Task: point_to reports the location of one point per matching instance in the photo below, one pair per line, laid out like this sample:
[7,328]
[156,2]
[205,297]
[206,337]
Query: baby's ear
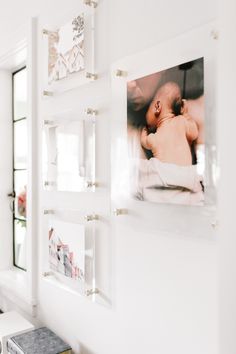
[158,107]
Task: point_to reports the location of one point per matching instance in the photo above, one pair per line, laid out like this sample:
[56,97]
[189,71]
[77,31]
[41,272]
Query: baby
[175,130]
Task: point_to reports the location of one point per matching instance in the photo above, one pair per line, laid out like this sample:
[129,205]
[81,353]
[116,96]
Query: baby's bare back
[170,144]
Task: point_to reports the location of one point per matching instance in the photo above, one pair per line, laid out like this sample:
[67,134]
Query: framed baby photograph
[68,52]
[164,136]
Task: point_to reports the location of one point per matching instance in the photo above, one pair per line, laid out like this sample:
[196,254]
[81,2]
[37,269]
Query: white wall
[167,302]
[227,123]
[170,304]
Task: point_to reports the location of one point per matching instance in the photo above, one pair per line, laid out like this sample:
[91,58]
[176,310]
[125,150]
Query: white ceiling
[15,13]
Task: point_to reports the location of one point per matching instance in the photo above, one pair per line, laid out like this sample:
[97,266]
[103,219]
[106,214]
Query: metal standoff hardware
[91,3]
[91,217]
[47,93]
[47,32]
[48,122]
[48,183]
[91,76]
[47,274]
[48,212]
[120,73]
[215,34]
[118,212]
[91,111]
[92,292]
[214,224]
[90,184]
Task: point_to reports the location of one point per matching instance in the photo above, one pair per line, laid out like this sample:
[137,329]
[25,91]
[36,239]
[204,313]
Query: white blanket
[168,183]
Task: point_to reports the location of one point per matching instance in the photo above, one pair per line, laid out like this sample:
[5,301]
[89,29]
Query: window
[20,148]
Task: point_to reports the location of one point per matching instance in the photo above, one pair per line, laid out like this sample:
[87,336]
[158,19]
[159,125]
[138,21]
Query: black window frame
[14,121]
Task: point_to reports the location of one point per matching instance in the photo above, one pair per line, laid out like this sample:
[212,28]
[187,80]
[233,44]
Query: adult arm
[191,129]
[146,140]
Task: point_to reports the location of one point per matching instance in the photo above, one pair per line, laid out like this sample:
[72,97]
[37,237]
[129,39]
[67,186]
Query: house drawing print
[66,50]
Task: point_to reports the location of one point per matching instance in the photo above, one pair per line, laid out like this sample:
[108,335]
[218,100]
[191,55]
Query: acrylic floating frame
[68,52]
[140,182]
[70,251]
[69,151]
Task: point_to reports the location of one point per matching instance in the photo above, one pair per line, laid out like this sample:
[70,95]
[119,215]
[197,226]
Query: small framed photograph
[69,152]
[66,242]
[69,250]
[164,136]
[66,50]
[69,52]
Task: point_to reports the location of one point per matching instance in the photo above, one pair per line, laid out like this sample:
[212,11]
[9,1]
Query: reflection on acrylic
[67,249]
[66,50]
[166,140]
[68,154]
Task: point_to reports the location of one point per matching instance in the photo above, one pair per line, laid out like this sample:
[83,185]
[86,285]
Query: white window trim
[18,286]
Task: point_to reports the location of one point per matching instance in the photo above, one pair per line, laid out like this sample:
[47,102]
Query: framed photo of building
[69,250]
[66,242]
[164,135]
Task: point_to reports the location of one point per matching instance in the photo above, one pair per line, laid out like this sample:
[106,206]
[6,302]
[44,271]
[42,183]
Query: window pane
[20,144]
[20,149]
[20,94]
[20,180]
[20,243]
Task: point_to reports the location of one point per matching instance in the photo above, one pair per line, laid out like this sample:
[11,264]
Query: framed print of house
[68,52]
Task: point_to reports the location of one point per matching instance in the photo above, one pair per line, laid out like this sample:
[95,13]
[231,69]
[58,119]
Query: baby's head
[167,100]
[140,91]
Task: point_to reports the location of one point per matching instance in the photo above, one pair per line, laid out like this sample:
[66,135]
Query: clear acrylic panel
[20,180]
[134,69]
[69,154]
[20,244]
[69,51]
[67,249]
[66,49]
[70,249]
[20,144]
[20,94]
